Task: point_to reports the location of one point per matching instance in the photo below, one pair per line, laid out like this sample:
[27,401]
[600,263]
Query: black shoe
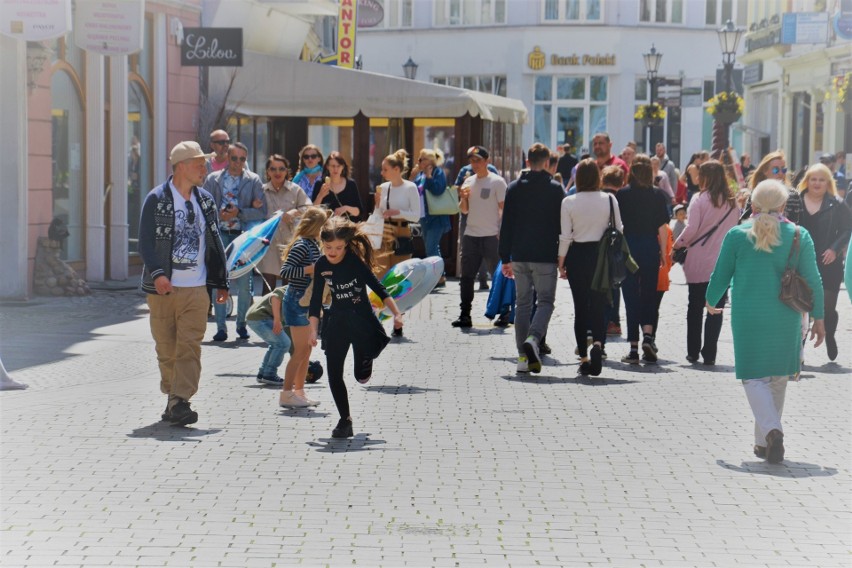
[181,414]
[364,371]
[396,332]
[502,321]
[315,371]
[242,332]
[831,347]
[463,322]
[649,350]
[483,285]
[221,335]
[343,429]
[585,368]
[692,358]
[544,348]
[595,361]
[775,446]
[709,362]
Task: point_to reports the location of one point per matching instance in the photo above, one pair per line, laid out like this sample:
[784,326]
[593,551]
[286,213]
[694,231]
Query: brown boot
[775,446]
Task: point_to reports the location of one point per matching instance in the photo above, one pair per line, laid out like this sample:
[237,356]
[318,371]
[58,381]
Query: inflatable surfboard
[246,250]
[408,283]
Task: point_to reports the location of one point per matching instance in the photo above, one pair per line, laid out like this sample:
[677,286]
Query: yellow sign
[537,59]
[346,34]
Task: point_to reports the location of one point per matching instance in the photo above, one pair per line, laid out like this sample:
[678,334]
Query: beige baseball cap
[187,150]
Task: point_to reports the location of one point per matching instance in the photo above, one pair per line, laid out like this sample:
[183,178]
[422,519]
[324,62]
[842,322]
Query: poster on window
[35,20]
[109,28]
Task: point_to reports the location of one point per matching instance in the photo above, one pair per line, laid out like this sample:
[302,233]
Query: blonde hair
[819,169]
[436,156]
[770,196]
[398,159]
[760,173]
[309,227]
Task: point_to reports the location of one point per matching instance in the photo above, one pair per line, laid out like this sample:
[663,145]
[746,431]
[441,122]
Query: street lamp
[410,69]
[729,39]
[652,66]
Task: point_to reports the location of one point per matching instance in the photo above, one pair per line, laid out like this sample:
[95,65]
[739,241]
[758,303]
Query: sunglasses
[310,156]
[190,213]
[776,170]
[276,169]
[238,158]
[220,141]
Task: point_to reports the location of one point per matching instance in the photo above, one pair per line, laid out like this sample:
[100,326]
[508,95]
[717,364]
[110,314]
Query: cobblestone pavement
[456,461]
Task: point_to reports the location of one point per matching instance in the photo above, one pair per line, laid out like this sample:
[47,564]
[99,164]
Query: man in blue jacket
[183,255]
[239,197]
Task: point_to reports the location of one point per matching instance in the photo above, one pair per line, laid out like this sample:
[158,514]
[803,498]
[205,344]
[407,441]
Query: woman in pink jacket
[710,215]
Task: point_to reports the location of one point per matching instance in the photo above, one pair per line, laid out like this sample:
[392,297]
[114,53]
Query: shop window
[437,133]
[396,14]
[68,147]
[469,12]
[661,11]
[494,84]
[571,10]
[571,88]
[717,12]
[332,134]
[578,110]
[139,153]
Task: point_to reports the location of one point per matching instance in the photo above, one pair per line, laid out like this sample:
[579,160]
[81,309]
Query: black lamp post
[729,39]
[652,66]
[410,69]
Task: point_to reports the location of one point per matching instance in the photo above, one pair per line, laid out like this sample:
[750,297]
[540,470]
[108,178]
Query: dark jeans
[660,294]
[640,288]
[588,305]
[474,251]
[612,311]
[712,324]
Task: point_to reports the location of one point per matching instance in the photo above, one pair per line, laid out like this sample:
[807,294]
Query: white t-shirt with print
[483,218]
[189,244]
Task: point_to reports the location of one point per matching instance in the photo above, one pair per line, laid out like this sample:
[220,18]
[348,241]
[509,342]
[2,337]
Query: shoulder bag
[679,254]
[616,260]
[445,204]
[795,291]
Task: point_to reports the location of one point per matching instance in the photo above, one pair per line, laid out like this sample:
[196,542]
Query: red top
[616,161]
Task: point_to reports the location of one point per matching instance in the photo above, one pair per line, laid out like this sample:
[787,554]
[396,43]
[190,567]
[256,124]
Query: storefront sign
[537,59]
[692,93]
[804,27]
[109,28]
[843,25]
[35,20]
[763,38]
[753,73]
[370,13]
[346,33]
[212,47]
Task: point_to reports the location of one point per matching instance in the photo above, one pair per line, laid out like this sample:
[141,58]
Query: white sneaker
[289,399]
[301,394]
[523,367]
[530,347]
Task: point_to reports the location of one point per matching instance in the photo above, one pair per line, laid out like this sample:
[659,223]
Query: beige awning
[273,86]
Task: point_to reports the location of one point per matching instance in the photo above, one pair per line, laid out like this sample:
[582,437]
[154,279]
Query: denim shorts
[294,314]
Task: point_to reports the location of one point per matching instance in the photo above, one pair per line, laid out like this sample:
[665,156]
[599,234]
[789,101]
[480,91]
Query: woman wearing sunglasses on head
[336,191]
[310,169]
[281,195]
[774,166]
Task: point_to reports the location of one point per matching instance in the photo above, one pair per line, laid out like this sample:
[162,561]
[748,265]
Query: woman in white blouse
[399,202]
[585,217]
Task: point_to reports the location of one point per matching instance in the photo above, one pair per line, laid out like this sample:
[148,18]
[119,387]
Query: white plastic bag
[374,228]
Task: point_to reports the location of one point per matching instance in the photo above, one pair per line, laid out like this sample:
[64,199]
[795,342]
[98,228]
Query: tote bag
[445,204]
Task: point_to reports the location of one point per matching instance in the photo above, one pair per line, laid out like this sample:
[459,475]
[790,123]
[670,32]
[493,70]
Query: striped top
[305,252]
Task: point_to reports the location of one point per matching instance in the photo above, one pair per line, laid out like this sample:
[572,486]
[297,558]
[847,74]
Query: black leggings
[336,341]
[589,306]
[695,317]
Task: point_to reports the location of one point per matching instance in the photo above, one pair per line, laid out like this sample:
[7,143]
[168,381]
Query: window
[570,109]
[661,11]
[395,14]
[494,84]
[571,10]
[68,147]
[717,12]
[470,12]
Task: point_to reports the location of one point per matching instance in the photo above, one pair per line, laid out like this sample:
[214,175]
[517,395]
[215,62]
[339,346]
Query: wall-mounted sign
[346,21]
[804,27]
[109,28]
[536,60]
[370,13]
[35,21]
[212,47]
[843,25]
[762,38]
[753,73]
[692,93]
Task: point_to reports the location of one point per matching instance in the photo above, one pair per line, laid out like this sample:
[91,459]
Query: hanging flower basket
[840,92]
[726,107]
[650,115]
[727,117]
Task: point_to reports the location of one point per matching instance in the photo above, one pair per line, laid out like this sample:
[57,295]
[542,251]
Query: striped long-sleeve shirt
[305,252]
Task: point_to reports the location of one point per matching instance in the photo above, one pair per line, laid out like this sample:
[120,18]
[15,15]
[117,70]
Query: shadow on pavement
[790,469]
[600,381]
[829,369]
[168,433]
[399,389]
[539,379]
[360,443]
[659,368]
[302,412]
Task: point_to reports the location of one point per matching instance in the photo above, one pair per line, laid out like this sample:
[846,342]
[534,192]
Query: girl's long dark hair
[341,228]
[712,175]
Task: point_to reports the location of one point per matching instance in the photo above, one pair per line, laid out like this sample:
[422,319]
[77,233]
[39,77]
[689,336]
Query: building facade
[576,64]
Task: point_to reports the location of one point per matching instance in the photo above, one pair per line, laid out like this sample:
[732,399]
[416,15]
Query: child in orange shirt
[663,279]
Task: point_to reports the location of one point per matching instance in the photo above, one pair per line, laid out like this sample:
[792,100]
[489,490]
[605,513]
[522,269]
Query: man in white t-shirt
[481,199]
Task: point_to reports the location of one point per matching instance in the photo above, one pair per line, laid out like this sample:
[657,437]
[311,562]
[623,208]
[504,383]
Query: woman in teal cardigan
[767,333]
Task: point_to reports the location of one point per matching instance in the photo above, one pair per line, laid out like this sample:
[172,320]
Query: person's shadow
[789,469]
[359,443]
[165,432]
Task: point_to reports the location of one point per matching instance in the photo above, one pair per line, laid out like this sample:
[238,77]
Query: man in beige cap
[183,254]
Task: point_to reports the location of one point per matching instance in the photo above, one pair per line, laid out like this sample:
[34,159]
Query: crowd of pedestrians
[611,225]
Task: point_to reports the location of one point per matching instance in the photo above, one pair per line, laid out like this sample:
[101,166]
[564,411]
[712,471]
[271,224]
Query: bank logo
[536,59]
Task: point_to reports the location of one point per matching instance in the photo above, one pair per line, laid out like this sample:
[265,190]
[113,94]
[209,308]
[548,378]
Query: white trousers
[766,398]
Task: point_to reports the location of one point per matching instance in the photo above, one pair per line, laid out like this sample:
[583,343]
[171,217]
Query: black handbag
[616,262]
[679,254]
[795,291]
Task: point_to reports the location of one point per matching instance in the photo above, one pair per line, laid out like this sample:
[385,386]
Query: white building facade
[576,64]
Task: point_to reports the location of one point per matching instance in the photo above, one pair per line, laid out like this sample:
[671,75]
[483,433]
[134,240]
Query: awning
[273,86]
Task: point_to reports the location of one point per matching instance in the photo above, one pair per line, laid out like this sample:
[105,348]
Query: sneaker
[273,380]
[775,446]
[364,371]
[259,376]
[343,429]
[603,353]
[632,358]
[595,361]
[396,332]
[221,335]
[613,328]
[483,285]
[301,394]
[523,367]
[649,350]
[544,348]
[289,399]
[180,414]
[442,282]
[463,322]
[530,347]
[585,368]
[502,321]
[243,332]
